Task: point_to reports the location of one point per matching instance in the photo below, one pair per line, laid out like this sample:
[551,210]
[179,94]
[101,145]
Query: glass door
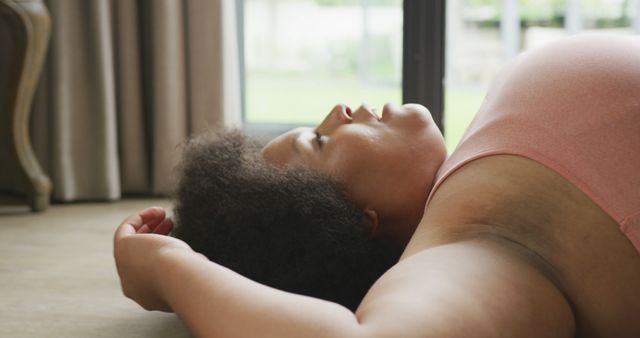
[482,35]
[303,56]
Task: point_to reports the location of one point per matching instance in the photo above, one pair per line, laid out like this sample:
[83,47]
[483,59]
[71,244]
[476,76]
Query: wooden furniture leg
[24,36]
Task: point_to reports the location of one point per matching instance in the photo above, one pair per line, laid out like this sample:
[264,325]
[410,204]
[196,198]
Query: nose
[339,115]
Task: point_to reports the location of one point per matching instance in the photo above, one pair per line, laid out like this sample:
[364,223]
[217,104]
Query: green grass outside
[460,106]
[293,99]
[297,100]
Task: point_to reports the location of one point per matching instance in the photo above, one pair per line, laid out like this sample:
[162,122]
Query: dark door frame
[423,55]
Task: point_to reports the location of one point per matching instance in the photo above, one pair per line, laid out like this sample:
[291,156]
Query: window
[483,34]
[303,56]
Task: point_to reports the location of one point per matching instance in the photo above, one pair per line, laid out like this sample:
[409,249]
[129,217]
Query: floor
[58,279]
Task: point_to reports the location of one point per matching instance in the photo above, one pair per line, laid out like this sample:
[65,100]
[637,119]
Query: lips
[374,111]
[386,112]
[371,111]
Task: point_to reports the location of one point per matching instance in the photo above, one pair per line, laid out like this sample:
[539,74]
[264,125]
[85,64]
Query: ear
[371,218]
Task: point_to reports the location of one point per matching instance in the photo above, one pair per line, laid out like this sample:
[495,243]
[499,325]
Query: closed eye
[318,139]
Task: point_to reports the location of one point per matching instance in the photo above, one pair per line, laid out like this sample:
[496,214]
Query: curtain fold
[164,50]
[216,57]
[125,83]
[133,141]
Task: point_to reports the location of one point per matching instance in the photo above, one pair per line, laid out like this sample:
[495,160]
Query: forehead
[282,150]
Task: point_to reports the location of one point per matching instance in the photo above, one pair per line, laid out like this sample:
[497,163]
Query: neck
[399,232]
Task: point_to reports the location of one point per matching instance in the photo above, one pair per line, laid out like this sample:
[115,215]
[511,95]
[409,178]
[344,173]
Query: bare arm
[473,288]
[216,302]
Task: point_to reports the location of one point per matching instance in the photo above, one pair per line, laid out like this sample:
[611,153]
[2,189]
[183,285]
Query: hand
[139,243]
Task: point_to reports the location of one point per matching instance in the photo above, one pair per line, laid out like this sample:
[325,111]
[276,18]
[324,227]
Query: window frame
[423,55]
[423,51]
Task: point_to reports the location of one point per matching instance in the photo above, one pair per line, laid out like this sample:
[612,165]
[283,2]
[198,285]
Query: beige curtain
[126,81]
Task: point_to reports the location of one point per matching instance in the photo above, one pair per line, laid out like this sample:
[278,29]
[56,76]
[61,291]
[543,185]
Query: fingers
[144,221]
[151,217]
[124,230]
[150,220]
[165,227]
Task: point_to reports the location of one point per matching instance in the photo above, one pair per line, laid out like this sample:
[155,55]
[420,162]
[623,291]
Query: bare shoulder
[474,288]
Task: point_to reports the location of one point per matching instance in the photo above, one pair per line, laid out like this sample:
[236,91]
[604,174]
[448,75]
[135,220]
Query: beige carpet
[58,279]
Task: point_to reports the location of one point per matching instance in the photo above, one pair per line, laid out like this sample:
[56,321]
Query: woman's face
[387,163]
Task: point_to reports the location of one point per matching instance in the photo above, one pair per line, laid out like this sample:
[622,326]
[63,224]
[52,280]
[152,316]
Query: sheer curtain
[126,81]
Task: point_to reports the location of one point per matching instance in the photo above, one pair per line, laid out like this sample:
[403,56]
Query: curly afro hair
[294,229]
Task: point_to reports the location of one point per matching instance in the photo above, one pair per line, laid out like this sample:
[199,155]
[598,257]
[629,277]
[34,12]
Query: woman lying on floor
[532,228]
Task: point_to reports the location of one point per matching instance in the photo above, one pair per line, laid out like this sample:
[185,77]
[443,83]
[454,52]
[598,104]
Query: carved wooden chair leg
[25,40]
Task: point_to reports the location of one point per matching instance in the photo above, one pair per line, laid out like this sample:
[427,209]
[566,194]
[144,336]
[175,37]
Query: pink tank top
[573,106]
